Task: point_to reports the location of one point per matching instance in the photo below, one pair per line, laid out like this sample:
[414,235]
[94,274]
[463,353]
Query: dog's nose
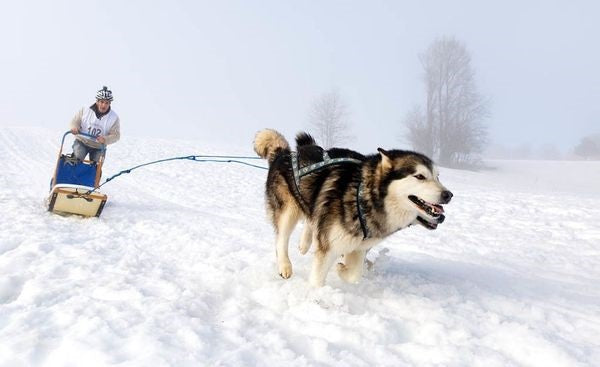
[446,196]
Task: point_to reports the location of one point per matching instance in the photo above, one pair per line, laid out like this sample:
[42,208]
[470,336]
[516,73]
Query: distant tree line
[449,125]
[546,151]
[589,147]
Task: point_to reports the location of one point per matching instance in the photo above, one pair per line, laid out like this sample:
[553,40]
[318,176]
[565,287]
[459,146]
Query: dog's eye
[420,177]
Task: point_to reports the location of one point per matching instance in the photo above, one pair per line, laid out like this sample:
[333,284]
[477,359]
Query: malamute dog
[350,202]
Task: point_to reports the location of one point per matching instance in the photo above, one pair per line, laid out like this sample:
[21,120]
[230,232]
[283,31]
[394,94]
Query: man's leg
[96,154]
[80,150]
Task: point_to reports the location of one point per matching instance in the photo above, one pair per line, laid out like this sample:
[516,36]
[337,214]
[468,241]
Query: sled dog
[349,201]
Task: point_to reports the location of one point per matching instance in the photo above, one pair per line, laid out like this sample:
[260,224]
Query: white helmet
[104,94]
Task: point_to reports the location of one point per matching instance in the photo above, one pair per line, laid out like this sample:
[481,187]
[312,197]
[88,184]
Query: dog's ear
[386,162]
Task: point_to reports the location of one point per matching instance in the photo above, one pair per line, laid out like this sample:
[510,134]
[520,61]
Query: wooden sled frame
[76,199]
[69,198]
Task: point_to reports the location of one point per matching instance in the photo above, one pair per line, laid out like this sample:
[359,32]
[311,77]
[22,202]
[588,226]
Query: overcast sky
[224,69]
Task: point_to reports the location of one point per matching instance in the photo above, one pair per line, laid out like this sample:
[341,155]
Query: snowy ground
[179,271]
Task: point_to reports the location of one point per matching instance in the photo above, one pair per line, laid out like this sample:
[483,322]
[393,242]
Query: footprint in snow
[10,288]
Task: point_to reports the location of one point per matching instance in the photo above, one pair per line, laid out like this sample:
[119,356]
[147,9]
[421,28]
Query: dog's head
[410,184]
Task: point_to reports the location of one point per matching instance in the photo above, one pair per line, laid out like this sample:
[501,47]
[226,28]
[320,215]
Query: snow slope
[180,271]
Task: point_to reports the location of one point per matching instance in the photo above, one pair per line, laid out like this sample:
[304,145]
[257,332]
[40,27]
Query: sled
[73,186]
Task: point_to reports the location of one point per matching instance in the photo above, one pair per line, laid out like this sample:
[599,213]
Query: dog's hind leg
[322,262]
[352,268]
[306,238]
[325,257]
[285,224]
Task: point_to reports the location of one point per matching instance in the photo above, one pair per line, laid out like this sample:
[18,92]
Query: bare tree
[329,119]
[419,131]
[450,129]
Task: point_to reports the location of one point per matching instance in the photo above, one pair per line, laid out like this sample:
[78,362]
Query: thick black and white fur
[399,188]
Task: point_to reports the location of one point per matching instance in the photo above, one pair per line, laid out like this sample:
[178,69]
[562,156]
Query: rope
[195,158]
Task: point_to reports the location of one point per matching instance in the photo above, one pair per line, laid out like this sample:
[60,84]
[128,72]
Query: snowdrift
[180,271]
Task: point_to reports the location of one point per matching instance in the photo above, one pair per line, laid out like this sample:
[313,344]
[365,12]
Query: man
[99,121]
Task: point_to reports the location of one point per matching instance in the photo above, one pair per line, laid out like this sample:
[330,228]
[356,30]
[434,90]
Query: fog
[223,70]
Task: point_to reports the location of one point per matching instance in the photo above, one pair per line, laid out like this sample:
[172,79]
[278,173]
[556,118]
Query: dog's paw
[285,270]
[346,274]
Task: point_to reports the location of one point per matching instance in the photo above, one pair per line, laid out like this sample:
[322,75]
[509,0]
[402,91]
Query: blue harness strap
[361,212]
[294,157]
[328,161]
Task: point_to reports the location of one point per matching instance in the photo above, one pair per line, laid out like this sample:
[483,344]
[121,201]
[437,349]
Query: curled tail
[304,138]
[268,142]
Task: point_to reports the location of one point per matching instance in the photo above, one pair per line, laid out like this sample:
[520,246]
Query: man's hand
[74,131]
[101,140]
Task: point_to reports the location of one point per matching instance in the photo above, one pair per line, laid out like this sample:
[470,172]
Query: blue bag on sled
[73,186]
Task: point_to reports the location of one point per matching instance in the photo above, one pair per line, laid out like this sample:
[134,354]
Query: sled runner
[72,189]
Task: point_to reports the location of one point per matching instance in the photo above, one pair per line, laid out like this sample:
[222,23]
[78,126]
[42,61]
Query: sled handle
[102,146]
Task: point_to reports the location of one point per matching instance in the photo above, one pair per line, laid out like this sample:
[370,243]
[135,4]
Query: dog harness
[328,161]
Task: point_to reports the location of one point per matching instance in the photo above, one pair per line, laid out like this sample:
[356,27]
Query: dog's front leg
[352,269]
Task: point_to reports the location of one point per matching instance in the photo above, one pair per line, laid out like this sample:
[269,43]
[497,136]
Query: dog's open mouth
[431,225]
[432,210]
[431,214]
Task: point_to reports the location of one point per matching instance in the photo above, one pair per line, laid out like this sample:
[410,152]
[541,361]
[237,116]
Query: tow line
[195,158]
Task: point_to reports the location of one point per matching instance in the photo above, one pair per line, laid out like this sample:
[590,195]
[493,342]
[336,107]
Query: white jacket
[107,126]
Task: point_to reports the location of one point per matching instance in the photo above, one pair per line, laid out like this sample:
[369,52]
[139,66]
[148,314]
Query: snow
[180,270]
